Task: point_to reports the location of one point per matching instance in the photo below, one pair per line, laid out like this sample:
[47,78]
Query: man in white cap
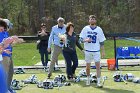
[60,28]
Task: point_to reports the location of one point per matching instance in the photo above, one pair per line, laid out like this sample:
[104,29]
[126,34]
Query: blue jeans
[69,58]
[44,55]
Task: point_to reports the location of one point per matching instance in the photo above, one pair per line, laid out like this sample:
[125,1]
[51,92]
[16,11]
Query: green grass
[109,87]
[26,54]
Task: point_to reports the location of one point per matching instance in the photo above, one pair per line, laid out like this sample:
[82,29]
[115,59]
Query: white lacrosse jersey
[96,35]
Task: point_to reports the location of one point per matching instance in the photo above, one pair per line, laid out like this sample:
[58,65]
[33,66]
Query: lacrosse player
[93,38]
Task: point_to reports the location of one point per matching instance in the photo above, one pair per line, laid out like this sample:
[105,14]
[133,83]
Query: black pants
[71,62]
[44,55]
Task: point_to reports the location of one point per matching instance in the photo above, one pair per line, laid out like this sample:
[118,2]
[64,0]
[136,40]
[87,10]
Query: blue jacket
[3,35]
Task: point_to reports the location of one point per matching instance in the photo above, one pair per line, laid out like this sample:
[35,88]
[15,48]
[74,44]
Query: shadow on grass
[39,71]
[109,90]
[129,68]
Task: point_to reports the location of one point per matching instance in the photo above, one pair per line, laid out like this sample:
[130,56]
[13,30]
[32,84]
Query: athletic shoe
[70,79]
[99,85]
[49,75]
[88,82]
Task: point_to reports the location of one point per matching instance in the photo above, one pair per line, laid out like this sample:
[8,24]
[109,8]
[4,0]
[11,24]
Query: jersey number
[93,37]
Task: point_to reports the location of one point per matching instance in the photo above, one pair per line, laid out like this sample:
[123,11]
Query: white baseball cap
[9,24]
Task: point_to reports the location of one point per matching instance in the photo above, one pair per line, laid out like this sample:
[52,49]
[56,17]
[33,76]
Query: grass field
[109,87]
[26,54]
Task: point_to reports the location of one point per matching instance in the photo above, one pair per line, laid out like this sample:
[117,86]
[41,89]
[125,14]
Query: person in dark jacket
[43,44]
[69,50]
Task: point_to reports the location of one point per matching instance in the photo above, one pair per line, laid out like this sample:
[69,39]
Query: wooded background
[114,16]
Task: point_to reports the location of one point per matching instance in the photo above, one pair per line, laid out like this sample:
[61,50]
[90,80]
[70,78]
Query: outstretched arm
[13,39]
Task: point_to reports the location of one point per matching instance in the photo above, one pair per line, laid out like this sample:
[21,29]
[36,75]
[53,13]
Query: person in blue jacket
[7,57]
[3,82]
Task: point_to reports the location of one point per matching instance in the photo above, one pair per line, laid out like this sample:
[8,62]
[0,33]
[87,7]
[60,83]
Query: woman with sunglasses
[43,44]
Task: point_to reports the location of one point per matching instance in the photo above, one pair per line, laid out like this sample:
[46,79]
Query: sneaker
[70,79]
[99,85]
[56,68]
[88,82]
[49,75]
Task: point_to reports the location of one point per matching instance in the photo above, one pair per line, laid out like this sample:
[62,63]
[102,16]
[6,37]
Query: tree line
[114,16]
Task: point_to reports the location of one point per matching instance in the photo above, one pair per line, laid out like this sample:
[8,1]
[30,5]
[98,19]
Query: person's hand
[7,41]
[18,40]
[1,49]
[49,49]
[14,38]
[87,40]
[83,51]
[43,32]
[7,51]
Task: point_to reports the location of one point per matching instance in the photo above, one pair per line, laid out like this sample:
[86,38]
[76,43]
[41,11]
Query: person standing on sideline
[3,75]
[43,44]
[93,38]
[7,58]
[69,51]
[4,72]
[57,43]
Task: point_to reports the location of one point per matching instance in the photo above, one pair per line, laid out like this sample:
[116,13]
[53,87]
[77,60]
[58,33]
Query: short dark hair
[92,16]
[69,24]
[3,24]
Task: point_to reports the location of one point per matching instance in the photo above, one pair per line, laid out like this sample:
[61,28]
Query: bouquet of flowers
[63,38]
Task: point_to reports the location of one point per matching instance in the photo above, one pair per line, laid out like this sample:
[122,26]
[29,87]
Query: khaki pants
[54,57]
[8,66]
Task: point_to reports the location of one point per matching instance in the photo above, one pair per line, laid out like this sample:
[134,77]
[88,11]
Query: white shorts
[92,56]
